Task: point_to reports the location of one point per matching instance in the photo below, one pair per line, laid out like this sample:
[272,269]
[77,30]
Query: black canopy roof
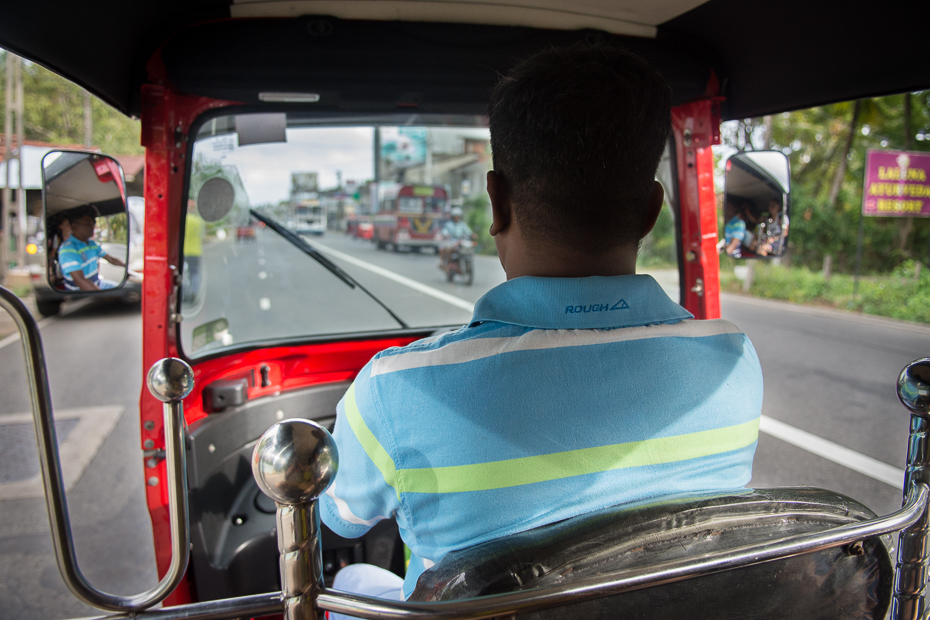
[768,55]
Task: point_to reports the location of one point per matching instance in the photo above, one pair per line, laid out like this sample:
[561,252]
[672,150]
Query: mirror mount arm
[53,482]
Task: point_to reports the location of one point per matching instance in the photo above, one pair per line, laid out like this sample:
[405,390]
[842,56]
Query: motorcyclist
[453,232]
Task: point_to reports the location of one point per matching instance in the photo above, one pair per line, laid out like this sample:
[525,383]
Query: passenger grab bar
[50,462]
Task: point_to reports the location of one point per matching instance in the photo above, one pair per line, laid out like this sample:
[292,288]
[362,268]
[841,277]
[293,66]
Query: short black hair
[72,215]
[577,134]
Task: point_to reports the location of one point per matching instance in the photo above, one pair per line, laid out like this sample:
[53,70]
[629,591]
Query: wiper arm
[298,242]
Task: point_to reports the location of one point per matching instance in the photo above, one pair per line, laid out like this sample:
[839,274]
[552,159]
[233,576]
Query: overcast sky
[266,169]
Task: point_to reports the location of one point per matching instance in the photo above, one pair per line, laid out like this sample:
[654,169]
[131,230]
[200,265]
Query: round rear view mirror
[215,199]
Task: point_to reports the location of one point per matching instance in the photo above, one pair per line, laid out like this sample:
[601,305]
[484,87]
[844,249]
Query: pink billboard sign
[897,184]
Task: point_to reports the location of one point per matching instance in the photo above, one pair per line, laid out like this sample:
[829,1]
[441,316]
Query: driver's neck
[551,261]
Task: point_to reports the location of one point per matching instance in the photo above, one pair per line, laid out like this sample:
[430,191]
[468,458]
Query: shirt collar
[579,303]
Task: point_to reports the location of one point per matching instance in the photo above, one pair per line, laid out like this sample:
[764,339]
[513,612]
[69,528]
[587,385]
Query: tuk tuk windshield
[243,282]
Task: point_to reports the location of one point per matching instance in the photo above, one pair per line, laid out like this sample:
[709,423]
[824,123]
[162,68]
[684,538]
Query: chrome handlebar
[55,498]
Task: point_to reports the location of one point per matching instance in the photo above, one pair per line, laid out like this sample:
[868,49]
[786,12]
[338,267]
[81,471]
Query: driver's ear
[656,200]
[501,210]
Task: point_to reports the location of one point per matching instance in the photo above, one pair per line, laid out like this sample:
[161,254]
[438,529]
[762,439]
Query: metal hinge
[153,456]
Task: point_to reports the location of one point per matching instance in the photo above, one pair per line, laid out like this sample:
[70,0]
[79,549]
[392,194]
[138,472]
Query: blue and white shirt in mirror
[76,255]
[561,397]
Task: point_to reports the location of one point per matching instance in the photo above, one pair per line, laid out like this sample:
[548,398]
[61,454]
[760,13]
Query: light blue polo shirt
[76,255]
[561,397]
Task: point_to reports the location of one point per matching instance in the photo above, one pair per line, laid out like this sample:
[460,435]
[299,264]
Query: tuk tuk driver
[577,385]
[453,231]
[79,256]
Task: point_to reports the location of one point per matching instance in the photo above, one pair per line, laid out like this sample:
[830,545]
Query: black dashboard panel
[234,549]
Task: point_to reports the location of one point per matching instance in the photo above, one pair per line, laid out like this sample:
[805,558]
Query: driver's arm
[113,260]
[82,282]
[732,246]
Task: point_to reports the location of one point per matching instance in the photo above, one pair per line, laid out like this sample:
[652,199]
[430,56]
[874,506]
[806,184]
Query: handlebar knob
[295,461]
[170,380]
[914,387]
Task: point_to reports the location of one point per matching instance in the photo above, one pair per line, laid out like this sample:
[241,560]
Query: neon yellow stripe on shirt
[372,447]
[546,467]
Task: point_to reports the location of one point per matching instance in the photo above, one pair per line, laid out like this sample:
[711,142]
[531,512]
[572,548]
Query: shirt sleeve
[364,491]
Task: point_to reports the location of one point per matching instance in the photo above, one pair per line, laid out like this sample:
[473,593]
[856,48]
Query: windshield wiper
[298,242]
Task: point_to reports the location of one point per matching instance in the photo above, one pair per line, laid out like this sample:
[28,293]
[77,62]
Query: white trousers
[367,580]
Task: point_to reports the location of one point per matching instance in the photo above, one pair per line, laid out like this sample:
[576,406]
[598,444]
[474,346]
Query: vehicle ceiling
[444,55]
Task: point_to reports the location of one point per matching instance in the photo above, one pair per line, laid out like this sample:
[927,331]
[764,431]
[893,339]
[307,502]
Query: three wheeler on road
[228,93]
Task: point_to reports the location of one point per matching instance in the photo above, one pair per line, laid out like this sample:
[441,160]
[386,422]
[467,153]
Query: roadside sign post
[897,184]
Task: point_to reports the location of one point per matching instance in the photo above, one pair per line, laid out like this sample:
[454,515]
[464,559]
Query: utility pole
[88,121]
[20,190]
[7,156]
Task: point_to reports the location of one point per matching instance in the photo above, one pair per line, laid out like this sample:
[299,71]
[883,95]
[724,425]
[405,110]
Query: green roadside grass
[904,294]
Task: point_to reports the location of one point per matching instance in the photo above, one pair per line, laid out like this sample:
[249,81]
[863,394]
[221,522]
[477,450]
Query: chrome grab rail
[625,581]
[55,498]
[553,596]
[910,583]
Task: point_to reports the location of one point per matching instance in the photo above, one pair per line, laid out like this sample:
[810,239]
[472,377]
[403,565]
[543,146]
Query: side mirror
[757,205]
[87,226]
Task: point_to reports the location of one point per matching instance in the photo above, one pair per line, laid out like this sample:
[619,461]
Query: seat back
[841,582]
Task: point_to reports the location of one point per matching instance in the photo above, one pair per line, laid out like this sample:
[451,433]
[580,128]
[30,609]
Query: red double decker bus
[409,217]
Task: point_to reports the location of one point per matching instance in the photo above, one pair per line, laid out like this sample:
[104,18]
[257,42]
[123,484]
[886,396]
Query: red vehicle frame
[167,114]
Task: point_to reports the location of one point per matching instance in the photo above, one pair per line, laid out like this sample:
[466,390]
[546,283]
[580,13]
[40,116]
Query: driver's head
[456,214]
[82,221]
[576,136]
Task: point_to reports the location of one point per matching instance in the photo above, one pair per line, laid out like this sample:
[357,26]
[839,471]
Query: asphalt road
[827,373]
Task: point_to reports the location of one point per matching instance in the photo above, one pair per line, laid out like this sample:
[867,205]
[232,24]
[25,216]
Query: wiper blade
[298,242]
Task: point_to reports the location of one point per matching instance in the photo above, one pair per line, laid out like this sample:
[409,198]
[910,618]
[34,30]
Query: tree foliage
[54,112]
[815,141]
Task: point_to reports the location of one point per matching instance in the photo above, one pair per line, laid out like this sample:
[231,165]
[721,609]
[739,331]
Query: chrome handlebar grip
[293,463]
[911,574]
[55,498]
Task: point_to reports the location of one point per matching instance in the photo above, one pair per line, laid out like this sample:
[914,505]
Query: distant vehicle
[362,229]
[246,232]
[310,218]
[49,300]
[409,217]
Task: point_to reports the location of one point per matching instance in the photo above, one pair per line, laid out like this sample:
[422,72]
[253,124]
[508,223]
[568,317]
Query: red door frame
[696,128]
[166,121]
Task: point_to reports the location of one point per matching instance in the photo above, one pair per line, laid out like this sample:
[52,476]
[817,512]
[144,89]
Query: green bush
[478,217]
[900,295]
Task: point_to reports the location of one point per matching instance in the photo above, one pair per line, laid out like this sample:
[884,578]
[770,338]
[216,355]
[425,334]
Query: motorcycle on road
[460,262]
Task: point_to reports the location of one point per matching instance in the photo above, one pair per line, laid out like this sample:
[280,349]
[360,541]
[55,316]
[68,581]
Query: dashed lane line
[44,322]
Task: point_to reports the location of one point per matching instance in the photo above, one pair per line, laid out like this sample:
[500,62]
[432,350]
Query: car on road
[245,232]
[363,229]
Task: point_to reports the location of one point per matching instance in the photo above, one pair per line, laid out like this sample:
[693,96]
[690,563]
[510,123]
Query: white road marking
[76,451]
[458,302]
[47,320]
[264,303]
[850,459]
[262,275]
[261,261]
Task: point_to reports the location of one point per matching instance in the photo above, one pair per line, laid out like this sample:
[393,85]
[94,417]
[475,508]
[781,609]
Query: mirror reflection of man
[79,256]
[453,231]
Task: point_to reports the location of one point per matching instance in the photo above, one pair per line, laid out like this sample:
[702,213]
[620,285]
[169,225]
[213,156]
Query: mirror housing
[756,205]
[86,221]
